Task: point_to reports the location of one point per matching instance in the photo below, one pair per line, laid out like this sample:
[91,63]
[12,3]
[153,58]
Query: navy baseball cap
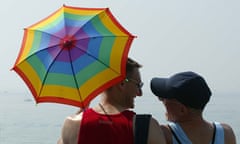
[188,88]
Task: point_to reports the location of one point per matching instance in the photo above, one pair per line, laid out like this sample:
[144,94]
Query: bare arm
[70,130]
[155,135]
[167,133]
[229,135]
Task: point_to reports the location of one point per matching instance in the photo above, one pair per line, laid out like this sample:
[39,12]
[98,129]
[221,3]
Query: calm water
[24,122]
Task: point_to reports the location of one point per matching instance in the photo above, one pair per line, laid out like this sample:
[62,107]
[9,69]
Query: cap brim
[159,87]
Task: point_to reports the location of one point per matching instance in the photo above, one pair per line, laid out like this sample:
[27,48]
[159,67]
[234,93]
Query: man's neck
[108,108]
[193,122]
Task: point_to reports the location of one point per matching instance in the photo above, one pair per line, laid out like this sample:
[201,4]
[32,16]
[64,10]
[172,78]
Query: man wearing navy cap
[185,96]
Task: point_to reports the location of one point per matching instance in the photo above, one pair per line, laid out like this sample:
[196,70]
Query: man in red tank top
[111,121]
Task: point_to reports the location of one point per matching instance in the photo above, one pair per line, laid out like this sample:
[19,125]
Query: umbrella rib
[29,29]
[89,21]
[100,36]
[74,76]
[73,68]
[47,34]
[45,76]
[93,37]
[96,58]
[34,53]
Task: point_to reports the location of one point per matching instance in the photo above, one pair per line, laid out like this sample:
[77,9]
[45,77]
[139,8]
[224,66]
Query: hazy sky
[172,36]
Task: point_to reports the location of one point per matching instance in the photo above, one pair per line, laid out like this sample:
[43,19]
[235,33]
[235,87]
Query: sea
[22,121]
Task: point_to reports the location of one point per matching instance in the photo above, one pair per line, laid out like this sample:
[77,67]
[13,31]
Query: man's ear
[121,85]
[184,109]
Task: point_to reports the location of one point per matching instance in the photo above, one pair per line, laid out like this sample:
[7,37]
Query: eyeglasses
[138,84]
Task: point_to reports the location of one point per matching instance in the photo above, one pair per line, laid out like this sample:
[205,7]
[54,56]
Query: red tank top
[102,129]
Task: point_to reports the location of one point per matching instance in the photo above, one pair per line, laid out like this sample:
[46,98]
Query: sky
[172,36]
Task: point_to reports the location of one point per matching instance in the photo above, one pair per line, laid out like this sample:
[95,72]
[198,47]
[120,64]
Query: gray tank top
[179,136]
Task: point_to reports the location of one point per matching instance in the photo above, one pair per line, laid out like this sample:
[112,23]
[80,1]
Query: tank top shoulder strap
[178,135]
[219,134]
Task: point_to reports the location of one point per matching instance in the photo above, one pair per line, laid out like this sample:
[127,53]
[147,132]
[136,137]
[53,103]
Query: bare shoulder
[72,121]
[76,117]
[156,135]
[228,134]
[167,133]
[70,129]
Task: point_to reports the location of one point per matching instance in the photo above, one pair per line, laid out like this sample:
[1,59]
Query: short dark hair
[131,65]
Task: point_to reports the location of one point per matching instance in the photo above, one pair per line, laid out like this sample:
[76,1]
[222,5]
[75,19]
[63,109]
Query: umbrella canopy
[73,55]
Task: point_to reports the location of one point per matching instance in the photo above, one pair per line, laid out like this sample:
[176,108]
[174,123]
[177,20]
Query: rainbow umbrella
[73,55]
